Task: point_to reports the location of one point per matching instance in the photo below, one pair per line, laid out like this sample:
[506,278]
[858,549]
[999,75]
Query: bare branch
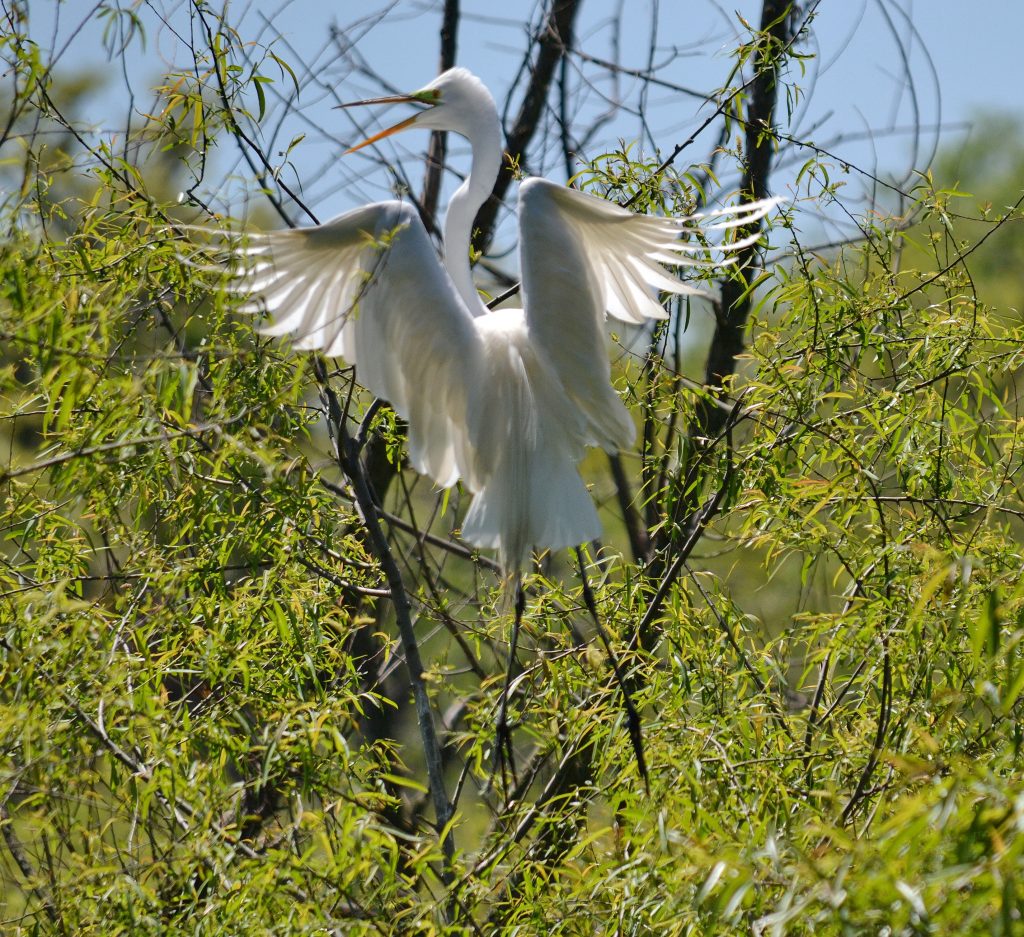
[438,139]
[553,42]
[348,459]
[776,36]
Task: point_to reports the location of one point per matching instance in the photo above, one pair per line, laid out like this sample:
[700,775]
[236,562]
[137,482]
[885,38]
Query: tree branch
[552,43]
[348,459]
[439,138]
[776,36]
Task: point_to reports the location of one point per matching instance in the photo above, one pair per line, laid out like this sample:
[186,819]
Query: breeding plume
[505,400]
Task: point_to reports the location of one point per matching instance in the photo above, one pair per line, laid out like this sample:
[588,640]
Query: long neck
[485,143]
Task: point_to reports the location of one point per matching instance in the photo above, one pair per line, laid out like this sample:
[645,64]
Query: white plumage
[507,400]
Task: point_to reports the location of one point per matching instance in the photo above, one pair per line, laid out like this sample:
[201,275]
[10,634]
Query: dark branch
[439,139]
[348,460]
[552,43]
[776,36]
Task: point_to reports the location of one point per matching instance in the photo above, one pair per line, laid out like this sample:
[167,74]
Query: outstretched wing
[582,257]
[368,286]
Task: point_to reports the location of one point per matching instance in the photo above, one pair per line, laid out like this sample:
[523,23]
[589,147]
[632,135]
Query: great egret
[506,400]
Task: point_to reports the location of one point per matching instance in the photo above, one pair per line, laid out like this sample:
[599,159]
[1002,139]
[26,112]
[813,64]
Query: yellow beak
[408,122]
[401,125]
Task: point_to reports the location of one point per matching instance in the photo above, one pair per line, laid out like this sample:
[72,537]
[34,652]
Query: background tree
[217,573]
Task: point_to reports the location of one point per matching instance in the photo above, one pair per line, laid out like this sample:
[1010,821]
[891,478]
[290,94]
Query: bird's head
[456,100]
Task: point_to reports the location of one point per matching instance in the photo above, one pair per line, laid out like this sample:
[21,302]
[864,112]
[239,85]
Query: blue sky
[856,101]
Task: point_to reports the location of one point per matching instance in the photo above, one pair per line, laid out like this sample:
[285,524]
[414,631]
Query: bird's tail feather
[533,497]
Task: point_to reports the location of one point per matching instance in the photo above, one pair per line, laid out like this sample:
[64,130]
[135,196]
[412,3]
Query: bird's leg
[364,426]
[503,734]
[632,716]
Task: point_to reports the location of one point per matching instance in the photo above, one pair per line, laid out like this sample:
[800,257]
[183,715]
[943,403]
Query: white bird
[505,400]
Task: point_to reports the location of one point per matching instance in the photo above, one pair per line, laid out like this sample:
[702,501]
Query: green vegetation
[205,717]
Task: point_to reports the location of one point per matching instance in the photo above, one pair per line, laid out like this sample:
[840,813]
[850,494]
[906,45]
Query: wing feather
[368,286]
[581,257]
[565,292]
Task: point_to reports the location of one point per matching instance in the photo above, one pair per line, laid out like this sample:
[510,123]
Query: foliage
[205,719]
